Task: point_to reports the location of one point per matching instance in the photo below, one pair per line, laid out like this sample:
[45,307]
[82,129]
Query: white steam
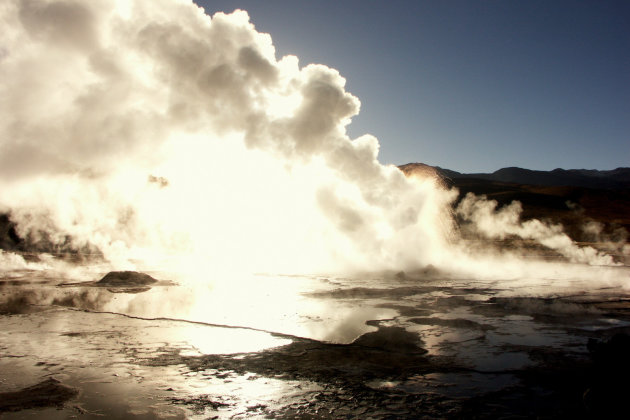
[149,130]
[99,98]
[505,222]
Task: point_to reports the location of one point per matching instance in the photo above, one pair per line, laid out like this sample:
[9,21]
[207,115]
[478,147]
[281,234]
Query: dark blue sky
[471,86]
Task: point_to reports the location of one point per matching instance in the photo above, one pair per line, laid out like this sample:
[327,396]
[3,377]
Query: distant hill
[572,197]
[587,178]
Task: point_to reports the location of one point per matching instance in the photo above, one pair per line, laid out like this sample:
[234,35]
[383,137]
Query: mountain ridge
[618,178]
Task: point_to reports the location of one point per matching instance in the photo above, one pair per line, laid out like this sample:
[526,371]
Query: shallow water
[378,345]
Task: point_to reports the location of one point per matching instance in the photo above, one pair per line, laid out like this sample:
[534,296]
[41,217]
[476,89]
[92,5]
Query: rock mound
[126,279]
[393,339]
[49,393]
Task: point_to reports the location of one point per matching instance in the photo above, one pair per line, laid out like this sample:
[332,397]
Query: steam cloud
[499,224]
[147,129]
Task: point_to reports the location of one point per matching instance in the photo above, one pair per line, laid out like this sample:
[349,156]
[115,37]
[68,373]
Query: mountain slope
[588,178]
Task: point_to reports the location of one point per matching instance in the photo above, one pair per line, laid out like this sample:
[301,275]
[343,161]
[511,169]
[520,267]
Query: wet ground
[392,345]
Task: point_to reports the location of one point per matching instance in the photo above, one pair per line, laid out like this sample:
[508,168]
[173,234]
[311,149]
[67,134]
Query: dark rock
[9,239]
[49,393]
[126,279]
[395,339]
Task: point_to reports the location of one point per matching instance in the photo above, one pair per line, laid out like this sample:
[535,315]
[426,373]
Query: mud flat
[372,347]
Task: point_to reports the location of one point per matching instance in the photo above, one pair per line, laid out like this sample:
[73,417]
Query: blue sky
[471,86]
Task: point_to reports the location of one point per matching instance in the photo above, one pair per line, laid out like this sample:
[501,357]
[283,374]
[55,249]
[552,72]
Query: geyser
[155,133]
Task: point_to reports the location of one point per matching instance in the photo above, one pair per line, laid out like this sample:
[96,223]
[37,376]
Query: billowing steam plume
[147,129]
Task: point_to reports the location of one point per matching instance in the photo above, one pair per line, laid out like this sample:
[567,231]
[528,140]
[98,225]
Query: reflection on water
[106,356]
[223,341]
[451,384]
[289,346]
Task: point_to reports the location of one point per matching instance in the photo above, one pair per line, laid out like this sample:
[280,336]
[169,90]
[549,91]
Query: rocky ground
[444,349]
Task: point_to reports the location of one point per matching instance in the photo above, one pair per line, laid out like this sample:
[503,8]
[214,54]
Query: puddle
[465,384]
